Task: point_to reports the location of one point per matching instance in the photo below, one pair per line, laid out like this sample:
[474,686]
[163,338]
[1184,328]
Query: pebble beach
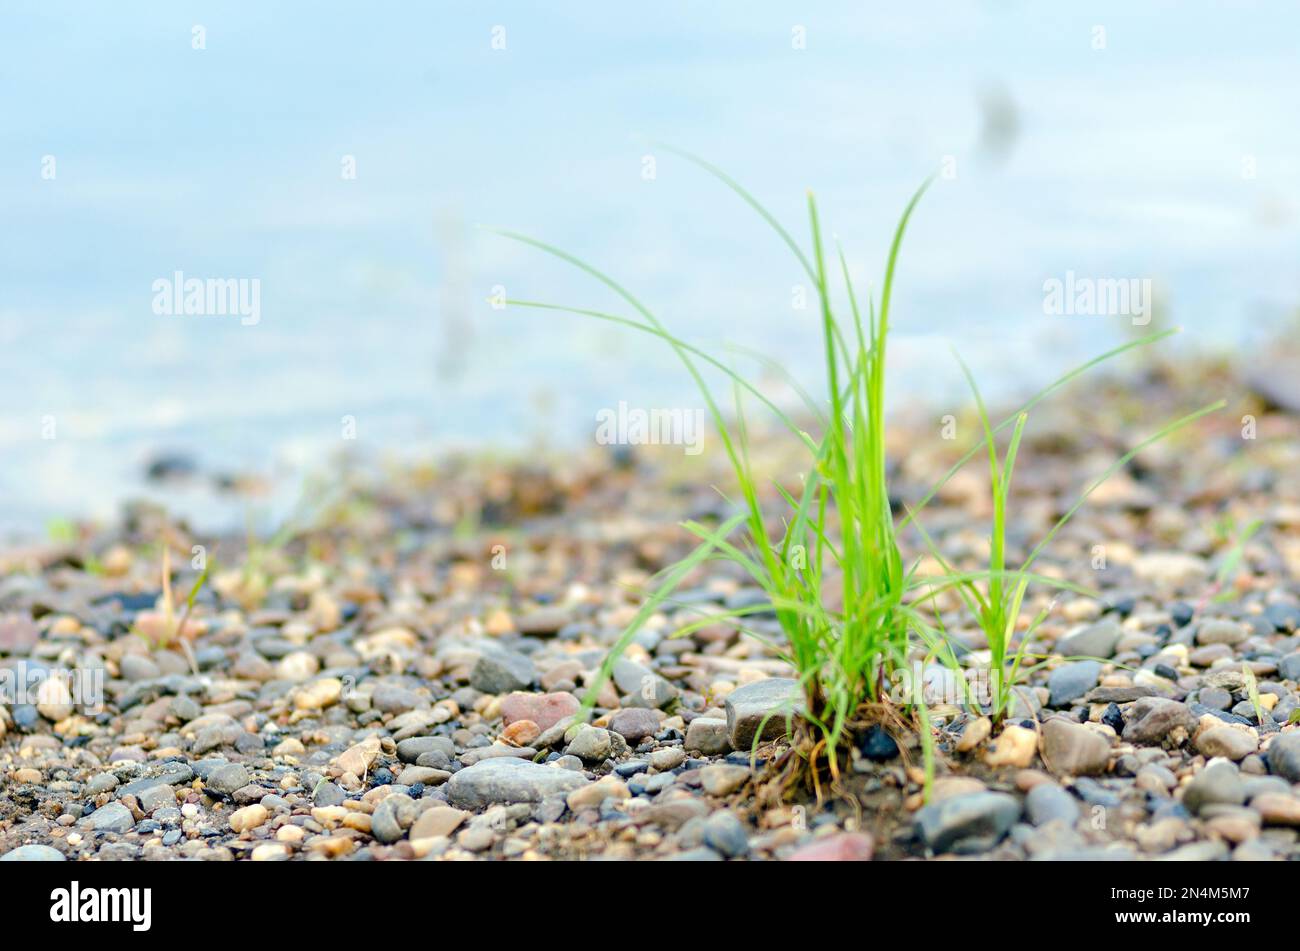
[399,675]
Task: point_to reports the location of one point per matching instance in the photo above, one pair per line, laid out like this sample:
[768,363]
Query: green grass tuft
[840,531]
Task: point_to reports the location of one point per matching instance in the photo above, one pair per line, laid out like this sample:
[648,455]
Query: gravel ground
[396,679]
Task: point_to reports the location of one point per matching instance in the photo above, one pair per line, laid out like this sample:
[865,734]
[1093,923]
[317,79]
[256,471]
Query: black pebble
[1181,612]
[383,777]
[877,745]
[1113,718]
[1122,605]
[1164,670]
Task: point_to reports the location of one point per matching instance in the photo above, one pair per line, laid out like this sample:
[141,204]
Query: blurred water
[1169,154]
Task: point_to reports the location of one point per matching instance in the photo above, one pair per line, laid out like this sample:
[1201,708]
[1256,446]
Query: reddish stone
[544,709]
[18,634]
[845,847]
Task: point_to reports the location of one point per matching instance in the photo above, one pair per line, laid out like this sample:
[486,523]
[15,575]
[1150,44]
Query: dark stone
[877,745]
[1113,718]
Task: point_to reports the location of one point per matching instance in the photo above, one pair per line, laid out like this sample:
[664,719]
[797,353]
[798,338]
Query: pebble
[1208,851]
[54,700]
[438,821]
[1289,667]
[1159,721]
[297,667]
[1071,681]
[976,732]
[841,847]
[502,671]
[710,736]
[102,783]
[1227,741]
[1156,779]
[1171,570]
[667,758]
[1234,825]
[544,709]
[392,817]
[594,794]
[33,853]
[521,733]
[544,621]
[591,744]
[1219,631]
[642,686]
[226,778]
[250,817]
[112,817]
[135,668]
[1074,749]
[1283,617]
[726,834]
[1284,756]
[411,749]
[270,852]
[156,797]
[722,780]
[1113,718]
[1015,746]
[1094,640]
[635,723]
[507,780]
[877,745]
[765,704]
[423,775]
[967,824]
[1162,834]
[1048,802]
[1216,698]
[328,793]
[1219,783]
[1277,809]
[319,694]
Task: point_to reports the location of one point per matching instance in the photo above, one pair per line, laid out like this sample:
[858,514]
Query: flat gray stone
[33,853]
[226,778]
[500,671]
[1070,682]
[112,817]
[172,774]
[967,824]
[764,704]
[1094,640]
[639,686]
[509,780]
[410,750]
[1048,802]
[709,735]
